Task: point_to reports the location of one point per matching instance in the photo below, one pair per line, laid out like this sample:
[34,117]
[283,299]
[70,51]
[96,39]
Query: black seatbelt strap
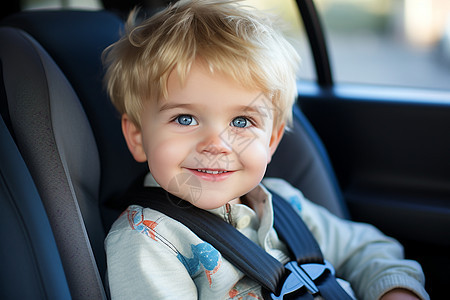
[307,276]
[293,231]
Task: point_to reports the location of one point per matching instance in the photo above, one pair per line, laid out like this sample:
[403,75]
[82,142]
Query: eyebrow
[255,109]
[168,106]
[251,109]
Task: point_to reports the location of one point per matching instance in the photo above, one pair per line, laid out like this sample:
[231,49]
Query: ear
[133,137]
[277,134]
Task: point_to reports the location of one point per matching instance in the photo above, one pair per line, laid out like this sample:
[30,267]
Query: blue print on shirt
[203,255]
[294,201]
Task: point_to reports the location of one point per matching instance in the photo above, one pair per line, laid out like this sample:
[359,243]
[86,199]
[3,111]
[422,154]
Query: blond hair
[228,37]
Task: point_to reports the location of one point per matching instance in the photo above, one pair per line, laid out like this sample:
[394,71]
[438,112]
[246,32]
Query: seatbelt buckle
[302,276]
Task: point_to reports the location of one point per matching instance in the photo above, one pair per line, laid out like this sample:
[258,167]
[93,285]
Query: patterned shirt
[151,256]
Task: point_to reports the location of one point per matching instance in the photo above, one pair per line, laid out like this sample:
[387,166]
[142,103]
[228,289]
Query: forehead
[202,84]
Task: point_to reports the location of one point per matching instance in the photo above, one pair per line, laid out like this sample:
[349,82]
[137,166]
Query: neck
[236,201]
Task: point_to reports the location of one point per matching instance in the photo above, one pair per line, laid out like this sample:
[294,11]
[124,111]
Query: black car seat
[68,134]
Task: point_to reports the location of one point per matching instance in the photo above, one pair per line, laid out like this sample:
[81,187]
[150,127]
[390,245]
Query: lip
[211,177]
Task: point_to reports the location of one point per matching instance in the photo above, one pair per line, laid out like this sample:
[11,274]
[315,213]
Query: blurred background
[382,42]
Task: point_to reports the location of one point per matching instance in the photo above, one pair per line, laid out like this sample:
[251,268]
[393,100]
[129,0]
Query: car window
[388,42]
[289,16]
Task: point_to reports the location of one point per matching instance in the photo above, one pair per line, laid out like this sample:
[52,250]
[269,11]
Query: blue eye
[186,120]
[240,122]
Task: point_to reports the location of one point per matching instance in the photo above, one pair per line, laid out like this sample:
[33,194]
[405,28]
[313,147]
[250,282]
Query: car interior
[64,162]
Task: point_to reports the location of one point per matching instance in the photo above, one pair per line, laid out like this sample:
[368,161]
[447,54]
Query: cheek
[164,159]
[255,157]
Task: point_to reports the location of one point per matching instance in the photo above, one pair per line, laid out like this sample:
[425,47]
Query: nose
[213,143]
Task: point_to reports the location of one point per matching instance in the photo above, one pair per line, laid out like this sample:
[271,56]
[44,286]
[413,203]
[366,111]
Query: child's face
[210,142]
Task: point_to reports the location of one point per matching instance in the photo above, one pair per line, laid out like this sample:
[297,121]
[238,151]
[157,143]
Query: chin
[205,204]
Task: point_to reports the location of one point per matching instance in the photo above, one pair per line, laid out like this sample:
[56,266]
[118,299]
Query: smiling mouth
[214,172]
[211,174]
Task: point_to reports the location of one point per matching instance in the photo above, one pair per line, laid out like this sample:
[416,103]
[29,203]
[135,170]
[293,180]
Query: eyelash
[175,119]
[248,118]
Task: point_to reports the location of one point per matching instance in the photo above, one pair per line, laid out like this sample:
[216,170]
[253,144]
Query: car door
[379,98]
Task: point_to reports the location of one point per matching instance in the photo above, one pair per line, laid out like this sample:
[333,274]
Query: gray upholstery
[75,41]
[302,160]
[30,263]
[56,142]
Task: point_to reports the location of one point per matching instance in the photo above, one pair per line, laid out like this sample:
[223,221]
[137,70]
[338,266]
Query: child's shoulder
[277,185]
[152,224]
[286,191]
[139,218]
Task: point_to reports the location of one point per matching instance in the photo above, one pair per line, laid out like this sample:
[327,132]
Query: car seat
[66,139]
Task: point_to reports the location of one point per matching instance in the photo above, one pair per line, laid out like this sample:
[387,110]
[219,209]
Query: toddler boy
[205,90]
